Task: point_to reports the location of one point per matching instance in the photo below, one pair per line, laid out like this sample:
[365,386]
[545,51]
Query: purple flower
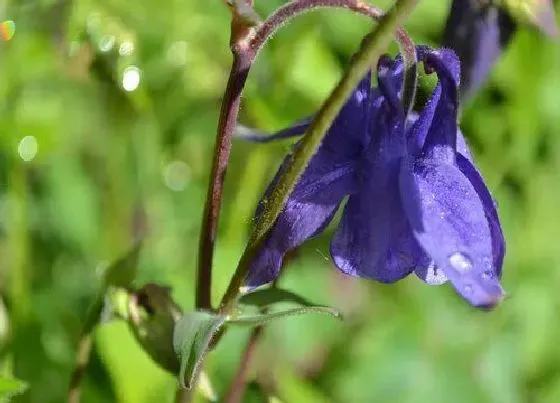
[478,32]
[416,201]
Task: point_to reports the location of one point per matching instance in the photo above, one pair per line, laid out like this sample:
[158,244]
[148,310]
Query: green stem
[370,50]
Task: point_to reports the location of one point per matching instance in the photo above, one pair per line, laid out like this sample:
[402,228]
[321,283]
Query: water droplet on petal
[487,275]
[460,262]
[468,289]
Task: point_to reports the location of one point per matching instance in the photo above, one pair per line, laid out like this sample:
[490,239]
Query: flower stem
[226,126]
[237,387]
[370,50]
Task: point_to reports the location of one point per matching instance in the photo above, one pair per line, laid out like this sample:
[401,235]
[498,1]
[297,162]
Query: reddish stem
[226,126]
[237,388]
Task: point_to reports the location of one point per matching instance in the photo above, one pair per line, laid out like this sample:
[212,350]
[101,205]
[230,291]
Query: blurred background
[109,107]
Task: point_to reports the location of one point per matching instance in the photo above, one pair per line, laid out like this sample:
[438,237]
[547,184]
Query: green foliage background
[104,154]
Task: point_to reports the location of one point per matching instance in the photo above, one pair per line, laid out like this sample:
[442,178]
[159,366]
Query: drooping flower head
[480,30]
[416,201]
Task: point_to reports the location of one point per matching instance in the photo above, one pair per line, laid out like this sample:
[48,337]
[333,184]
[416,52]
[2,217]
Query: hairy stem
[226,126]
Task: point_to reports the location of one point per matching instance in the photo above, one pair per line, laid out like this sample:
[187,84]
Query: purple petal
[478,34]
[328,178]
[441,137]
[419,126]
[449,221]
[256,136]
[498,241]
[374,239]
[416,135]
[462,146]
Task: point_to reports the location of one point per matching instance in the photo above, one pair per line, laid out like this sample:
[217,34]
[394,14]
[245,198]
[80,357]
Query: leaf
[265,297]
[263,318]
[191,339]
[11,387]
[122,272]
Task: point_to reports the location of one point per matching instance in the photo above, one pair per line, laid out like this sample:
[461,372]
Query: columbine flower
[479,30]
[416,201]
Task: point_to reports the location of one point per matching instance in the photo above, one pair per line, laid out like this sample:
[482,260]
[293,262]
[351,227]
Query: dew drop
[468,289]
[487,275]
[460,262]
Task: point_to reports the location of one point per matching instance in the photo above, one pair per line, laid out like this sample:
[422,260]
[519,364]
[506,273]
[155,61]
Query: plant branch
[82,359]
[237,387]
[226,126]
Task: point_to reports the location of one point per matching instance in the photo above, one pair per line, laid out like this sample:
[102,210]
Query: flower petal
[256,136]
[328,178]
[449,221]
[498,241]
[441,138]
[374,239]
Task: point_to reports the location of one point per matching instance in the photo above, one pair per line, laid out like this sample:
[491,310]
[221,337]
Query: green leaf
[191,339]
[11,387]
[122,272]
[263,318]
[268,296]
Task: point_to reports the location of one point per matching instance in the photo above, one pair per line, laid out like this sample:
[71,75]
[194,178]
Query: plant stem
[237,387]
[370,50]
[82,359]
[226,126]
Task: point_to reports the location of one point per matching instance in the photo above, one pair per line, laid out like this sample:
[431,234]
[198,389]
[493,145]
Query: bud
[478,32]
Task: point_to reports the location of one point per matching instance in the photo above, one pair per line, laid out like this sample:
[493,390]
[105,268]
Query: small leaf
[261,319]
[191,339]
[152,316]
[122,272]
[268,296]
[11,387]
